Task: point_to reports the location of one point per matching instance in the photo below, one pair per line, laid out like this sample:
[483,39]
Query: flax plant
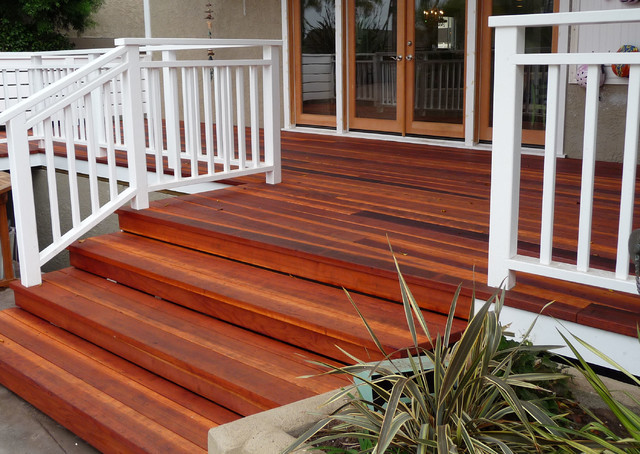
[456,398]
[595,437]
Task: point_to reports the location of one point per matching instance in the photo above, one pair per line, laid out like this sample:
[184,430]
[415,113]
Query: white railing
[23,74]
[185,119]
[510,61]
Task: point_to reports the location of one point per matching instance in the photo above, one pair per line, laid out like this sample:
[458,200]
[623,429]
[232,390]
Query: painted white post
[507,149]
[23,201]
[134,128]
[340,124]
[172,112]
[470,89]
[286,69]
[271,93]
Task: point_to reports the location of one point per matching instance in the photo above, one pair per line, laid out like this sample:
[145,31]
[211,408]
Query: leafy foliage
[38,25]
[598,436]
[455,398]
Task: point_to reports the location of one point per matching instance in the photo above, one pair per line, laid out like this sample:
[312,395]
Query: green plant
[38,25]
[455,398]
[596,434]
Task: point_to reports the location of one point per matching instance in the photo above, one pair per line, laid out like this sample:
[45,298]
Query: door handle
[397,58]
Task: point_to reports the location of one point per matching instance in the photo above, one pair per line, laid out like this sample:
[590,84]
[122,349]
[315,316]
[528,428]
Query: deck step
[307,314]
[113,404]
[240,370]
[235,223]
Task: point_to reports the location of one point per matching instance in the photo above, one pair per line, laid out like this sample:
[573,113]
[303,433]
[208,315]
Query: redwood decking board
[414,193]
[307,314]
[236,368]
[59,374]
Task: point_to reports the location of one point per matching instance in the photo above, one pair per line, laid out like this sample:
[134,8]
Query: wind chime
[209,19]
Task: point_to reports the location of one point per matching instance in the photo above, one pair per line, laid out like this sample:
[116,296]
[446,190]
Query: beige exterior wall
[185,19]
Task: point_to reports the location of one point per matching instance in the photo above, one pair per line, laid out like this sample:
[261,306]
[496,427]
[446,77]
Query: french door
[537,40]
[406,66]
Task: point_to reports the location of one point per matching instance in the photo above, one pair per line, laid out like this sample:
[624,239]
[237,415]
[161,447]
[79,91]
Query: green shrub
[40,25]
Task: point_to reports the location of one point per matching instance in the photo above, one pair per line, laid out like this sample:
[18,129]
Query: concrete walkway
[26,430]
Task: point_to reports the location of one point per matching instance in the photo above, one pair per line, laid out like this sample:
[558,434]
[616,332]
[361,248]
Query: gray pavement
[26,430]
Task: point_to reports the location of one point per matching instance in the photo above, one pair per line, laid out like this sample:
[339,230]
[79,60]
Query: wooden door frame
[484,131]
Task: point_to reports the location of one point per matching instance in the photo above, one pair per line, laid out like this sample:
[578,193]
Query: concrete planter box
[270,432]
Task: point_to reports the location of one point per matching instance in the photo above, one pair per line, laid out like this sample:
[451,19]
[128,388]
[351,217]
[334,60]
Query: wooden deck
[207,307]
[341,197]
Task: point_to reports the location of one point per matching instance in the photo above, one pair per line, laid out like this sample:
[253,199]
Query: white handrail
[115,104]
[510,59]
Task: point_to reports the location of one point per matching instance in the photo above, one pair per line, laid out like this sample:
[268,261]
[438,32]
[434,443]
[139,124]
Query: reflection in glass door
[537,40]
[435,67]
[315,67]
[376,64]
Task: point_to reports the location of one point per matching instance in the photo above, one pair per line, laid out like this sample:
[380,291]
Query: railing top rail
[587,58]
[569,18]
[158,44]
[53,53]
[55,87]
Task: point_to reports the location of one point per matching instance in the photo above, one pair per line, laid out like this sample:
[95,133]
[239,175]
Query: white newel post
[134,128]
[23,206]
[271,92]
[505,166]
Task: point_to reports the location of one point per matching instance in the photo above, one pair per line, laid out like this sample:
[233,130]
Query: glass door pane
[376,59]
[318,58]
[438,74]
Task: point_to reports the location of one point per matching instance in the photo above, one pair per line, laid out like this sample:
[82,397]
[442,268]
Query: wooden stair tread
[338,258]
[113,404]
[235,368]
[307,314]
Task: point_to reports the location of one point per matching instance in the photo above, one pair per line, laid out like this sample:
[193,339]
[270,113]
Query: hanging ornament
[623,70]
[581,75]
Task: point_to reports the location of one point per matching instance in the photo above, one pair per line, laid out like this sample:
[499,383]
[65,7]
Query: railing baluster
[51,181]
[242,146]
[187,112]
[588,167]
[550,156]
[228,113]
[111,151]
[628,186]
[172,113]
[92,153]
[208,119]
[196,129]
[154,120]
[74,197]
[217,84]
[255,115]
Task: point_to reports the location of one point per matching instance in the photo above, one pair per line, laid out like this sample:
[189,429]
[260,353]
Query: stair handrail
[101,109]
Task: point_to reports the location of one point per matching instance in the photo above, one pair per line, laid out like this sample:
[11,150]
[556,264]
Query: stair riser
[431,295]
[225,309]
[224,393]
